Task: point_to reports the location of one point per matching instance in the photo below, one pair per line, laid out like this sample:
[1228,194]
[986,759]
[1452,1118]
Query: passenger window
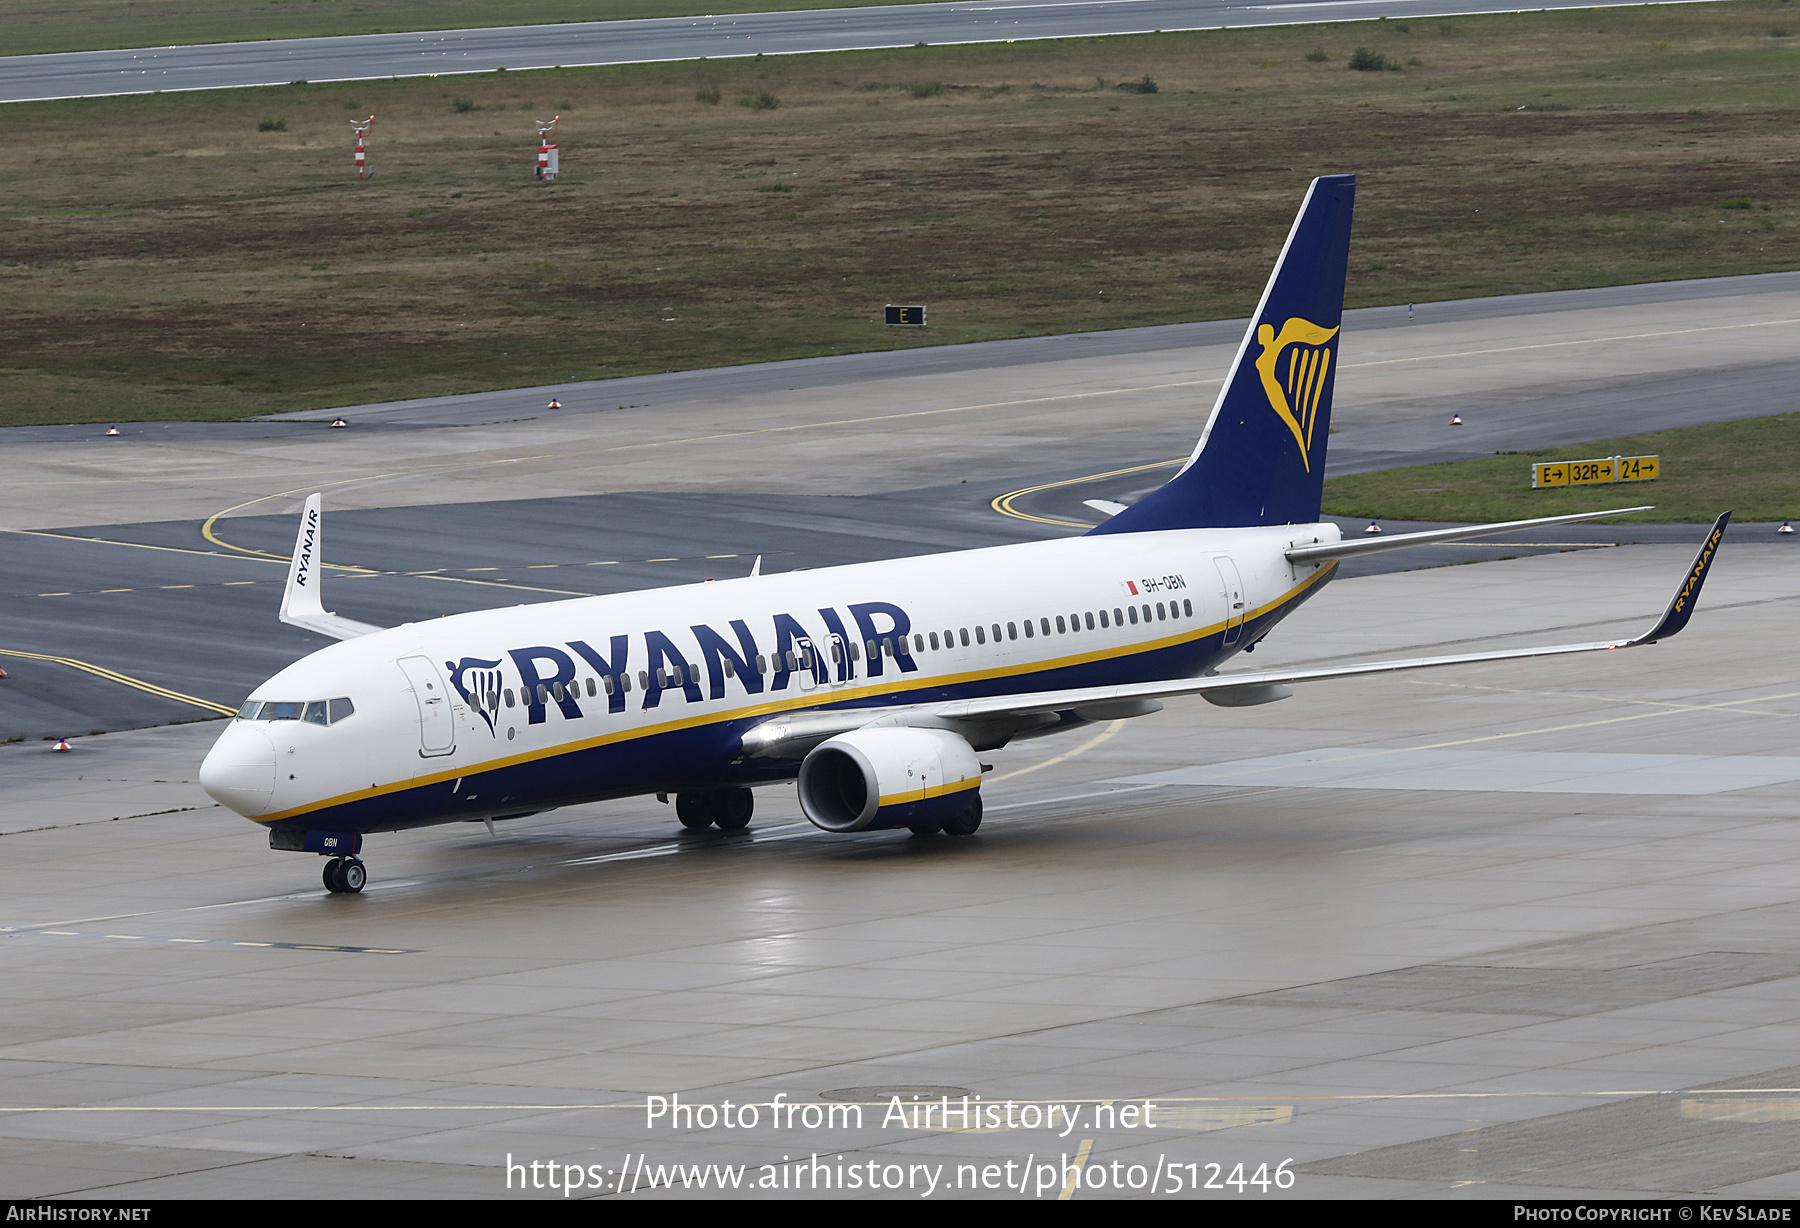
[625,682]
[606,684]
[918,643]
[1133,610]
[949,639]
[1146,611]
[556,689]
[1060,627]
[837,653]
[1012,631]
[315,713]
[1103,619]
[854,655]
[965,635]
[730,669]
[1090,620]
[341,708]
[1029,632]
[1160,616]
[509,698]
[543,693]
[980,635]
[644,679]
[1187,607]
[590,688]
[934,641]
[1119,617]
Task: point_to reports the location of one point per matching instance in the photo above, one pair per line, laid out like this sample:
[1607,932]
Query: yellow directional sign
[1588,472]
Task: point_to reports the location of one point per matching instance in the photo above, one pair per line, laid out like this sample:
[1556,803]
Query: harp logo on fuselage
[1295,366]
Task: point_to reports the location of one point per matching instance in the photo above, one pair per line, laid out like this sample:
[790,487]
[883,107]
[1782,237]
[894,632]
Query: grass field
[34,26]
[213,255]
[1746,467]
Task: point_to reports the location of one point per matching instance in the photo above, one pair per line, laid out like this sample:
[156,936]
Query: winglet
[301,605]
[1681,606]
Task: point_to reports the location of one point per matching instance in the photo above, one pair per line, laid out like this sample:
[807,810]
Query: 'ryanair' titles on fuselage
[698,663]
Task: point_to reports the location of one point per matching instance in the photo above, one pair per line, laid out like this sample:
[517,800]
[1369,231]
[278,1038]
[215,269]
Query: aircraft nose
[239,771]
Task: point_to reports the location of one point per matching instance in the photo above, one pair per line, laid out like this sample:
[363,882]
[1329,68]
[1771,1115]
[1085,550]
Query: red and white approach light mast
[548,160]
[362,163]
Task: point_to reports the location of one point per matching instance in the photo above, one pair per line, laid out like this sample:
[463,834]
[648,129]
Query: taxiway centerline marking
[112,675]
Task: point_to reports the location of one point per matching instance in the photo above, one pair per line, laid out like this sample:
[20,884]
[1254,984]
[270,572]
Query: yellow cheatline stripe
[806,699]
[122,679]
[926,794]
[1075,1169]
[1003,504]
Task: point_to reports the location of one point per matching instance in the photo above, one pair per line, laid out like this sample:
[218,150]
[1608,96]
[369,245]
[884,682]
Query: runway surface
[1516,930]
[441,52]
[1397,992]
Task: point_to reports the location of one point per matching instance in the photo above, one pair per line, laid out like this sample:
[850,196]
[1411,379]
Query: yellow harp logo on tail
[1297,387]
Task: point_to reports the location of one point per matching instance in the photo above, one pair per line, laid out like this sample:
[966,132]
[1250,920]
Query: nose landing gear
[345,875]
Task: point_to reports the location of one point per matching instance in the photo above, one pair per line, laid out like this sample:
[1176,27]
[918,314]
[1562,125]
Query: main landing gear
[345,875]
[964,823]
[726,809]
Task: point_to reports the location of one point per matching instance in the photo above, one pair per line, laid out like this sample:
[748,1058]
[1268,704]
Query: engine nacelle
[869,779]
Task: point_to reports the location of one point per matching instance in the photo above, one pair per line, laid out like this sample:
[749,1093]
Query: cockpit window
[317,712]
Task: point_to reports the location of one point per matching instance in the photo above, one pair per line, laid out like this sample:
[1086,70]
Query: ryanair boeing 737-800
[875,685]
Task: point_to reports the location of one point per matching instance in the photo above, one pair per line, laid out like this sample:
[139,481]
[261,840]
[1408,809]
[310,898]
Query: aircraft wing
[800,731]
[301,604]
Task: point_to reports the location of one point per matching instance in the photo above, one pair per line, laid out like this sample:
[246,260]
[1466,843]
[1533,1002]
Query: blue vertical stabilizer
[1261,458]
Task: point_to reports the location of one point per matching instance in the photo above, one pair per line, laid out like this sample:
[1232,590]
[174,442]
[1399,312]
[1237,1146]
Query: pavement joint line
[1553,345]
[1373,752]
[639,1106]
[213,942]
[1611,699]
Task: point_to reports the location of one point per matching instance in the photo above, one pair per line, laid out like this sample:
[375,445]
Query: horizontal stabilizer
[301,605]
[1371,545]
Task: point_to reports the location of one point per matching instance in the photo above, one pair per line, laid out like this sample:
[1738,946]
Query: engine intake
[870,779]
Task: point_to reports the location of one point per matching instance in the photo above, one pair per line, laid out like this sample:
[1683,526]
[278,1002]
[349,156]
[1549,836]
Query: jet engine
[868,779]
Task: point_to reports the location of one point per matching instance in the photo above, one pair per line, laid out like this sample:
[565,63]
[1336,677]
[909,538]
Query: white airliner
[874,685]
